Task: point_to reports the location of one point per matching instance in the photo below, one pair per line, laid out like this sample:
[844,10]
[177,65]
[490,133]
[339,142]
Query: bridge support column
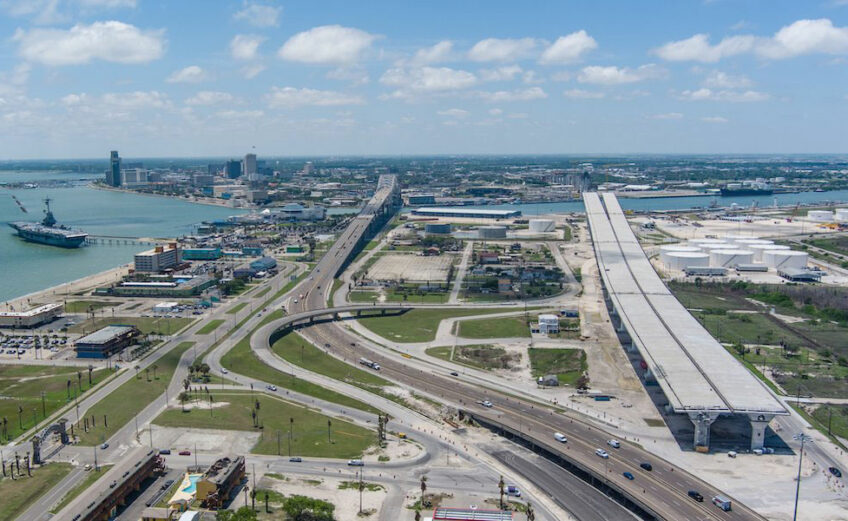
[759,422]
[702,422]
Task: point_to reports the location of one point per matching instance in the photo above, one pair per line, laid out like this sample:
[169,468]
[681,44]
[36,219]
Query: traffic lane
[656,484]
[581,499]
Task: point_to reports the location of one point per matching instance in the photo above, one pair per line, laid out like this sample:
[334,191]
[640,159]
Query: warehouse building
[105,342]
[466,213]
[264,264]
[298,212]
[31,318]
[201,253]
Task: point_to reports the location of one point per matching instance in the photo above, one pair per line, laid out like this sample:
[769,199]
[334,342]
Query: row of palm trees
[530,513]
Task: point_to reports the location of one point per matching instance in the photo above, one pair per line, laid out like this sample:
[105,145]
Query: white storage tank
[541,225]
[758,249]
[695,242]
[747,243]
[717,246]
[491,232]
[730,258]
[735,237]
[680,260]
[842,215]
[782,259]
[670,248]
[820,216]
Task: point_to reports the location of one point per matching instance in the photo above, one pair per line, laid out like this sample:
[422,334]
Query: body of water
[27,267]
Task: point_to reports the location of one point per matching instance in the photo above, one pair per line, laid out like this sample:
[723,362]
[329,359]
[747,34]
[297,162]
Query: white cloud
[437,53]
[714,119]
[328,44]
[259,15]
[426,80]
[562,76]
[290,97]
[799,38]
[356,75]
[528,94]
[705,94]
[190,74]
[453,113]
[667,116]
[612,75]
[569,49]
[108,41]
[245,46]
[135,100]
[583,94]
[210,97]
[722,80]
[495,112]
[251,71]
[505,73]
[501,49]
[240,115]
[108,4]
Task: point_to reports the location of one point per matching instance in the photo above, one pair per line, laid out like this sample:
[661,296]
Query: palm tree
[147,373]
[136,370]
[531,514]
[155,367]
[501,486]
[423,488]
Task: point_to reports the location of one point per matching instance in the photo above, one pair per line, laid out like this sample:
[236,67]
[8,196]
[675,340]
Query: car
[486,403]
[185,453]
[614,444]
[694,494]
[512,490]
[272,387]
[224,371]
[296,459]
[167,484]
[731,454]
[326,344]
[87,467]
[164,451]
[454,373]
[646,466]
[355,463]
[560,437]
[628,475]
[104,446]
[835,471]
[602,453]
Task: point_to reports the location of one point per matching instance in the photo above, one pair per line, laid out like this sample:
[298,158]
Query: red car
[185,453]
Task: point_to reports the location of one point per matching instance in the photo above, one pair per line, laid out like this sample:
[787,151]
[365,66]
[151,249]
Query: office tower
[249,167]
[113,175]
[232,169]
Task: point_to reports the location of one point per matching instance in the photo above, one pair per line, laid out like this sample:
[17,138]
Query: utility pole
[803,438]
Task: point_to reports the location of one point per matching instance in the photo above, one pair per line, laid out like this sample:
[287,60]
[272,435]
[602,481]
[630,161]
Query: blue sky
[198,78]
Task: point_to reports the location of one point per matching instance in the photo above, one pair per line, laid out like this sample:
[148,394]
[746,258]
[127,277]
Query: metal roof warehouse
[468,213]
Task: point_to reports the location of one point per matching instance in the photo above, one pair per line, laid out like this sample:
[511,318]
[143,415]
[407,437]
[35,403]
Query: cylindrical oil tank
[717,246]
[680,260]
[730,258]
[747,243]
[842,215]
[437,228]
[696,242]
[541,225]
[670,248]
[782,259]
[820,216]
[491,232]
[758,249]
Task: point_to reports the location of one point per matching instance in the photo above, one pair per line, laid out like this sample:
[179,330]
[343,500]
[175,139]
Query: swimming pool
[192,487]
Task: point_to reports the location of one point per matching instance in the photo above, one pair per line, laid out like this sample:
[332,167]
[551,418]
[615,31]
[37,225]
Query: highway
[664,489]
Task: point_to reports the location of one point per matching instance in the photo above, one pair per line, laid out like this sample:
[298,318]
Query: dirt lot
[411,268]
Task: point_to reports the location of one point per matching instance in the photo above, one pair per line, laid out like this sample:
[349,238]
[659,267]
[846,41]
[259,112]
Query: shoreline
[206,201]
[66,290]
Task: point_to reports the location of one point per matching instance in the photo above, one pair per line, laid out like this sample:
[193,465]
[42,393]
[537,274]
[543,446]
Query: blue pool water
[192,478]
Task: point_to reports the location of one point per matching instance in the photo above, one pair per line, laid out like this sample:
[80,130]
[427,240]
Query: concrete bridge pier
[702,422]
[759,422]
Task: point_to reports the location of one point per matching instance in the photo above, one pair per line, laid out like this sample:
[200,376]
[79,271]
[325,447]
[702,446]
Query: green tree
[242,514]
[302,508]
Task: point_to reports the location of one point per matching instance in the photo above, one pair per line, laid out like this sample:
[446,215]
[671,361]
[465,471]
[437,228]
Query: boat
[745,190]
[49,232]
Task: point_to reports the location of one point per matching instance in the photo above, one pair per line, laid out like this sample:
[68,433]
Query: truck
[369,363]
[722,502]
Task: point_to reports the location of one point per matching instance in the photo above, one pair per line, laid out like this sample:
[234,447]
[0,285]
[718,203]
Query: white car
[614,444]
[224,371]
[560,437]
[602,453]
[486,403]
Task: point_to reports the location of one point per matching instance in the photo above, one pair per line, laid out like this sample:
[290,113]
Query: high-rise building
[113,175]
[232,169]
[249,167]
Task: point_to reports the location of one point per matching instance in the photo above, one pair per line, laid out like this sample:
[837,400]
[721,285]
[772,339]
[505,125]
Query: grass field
[747,328]
[87,481]
[235,309]
[392,296]
[501,327]
[83,306]
[240,359]
[20,493]
[210,326]
[834,415]
[147,325]
[131,397]
[22,385]
[567,364]
[418,325]
[480,356]
[309,435]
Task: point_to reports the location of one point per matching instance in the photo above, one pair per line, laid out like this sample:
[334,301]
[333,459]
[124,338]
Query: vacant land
[501,327]
[418,325]
[835,417]
[210,326]
[400,295]
[92,476]
[130,398]
[84,306]
[480,356]
[240,359]
[20,493]
[309,430]
[22,386]
[409,267]
[147,325]
[567,364]
[748,328]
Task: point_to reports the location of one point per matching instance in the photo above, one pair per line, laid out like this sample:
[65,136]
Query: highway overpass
[695,372]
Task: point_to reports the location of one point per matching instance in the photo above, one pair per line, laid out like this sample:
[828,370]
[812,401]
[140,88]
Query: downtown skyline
[80,77]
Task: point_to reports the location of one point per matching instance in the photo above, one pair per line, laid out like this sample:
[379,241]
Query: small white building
[164,307]
[548,324]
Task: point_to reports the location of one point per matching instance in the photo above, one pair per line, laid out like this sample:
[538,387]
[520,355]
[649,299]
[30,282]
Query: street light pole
[803,438]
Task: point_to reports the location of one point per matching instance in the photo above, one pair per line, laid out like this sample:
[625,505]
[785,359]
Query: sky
[193,78]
